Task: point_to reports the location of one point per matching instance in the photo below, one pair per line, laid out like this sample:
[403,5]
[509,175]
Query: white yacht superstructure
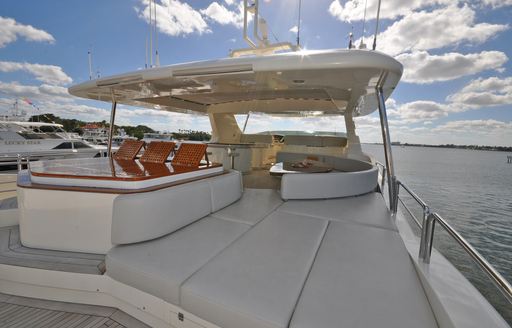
[39,140]
[193,242]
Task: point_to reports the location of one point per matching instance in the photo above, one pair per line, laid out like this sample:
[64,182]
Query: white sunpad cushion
[160,266]
[254,205]
[369,209]
[256,281]
[362,277]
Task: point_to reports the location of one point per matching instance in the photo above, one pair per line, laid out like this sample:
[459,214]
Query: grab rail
[427,237]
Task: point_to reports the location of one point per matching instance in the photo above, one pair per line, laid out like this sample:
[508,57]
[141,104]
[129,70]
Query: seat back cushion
[328,185]
[143,216]
[225,189]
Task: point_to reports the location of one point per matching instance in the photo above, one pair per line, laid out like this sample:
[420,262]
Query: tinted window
[79,145]
[64,145]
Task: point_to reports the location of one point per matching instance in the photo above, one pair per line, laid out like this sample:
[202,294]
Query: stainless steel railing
[427,236]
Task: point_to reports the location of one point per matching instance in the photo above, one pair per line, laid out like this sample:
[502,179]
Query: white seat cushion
[362,277]
[369,209]
[226,189]
[160,266]
[256,281]
[328,185]
[144,216]
[254,205]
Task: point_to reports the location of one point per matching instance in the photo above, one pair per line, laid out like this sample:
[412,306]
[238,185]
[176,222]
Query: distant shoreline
[452,146]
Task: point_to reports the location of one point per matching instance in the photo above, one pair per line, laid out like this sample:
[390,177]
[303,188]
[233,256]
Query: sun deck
[306,263]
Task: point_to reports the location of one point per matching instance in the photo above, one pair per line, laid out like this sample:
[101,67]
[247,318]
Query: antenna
[298,24]
[146,54]
[89,55]
[150,34]
[361,44]
[376,27]
[157,57]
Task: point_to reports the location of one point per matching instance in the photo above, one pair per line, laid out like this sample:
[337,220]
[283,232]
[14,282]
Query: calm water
[473,191]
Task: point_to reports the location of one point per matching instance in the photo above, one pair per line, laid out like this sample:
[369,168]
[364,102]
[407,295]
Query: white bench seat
[160,266]
[362,277]
[254,205]
[369,209]
[257,280]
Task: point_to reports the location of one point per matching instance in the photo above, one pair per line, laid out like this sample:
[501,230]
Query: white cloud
[224,15]
[474,126]
[478,93]
[42,92]
[44,73]
[353,10]
[497,3]
[10,30]
[422,67]
[294,29]
[434,29]
[175,17]
[420,110]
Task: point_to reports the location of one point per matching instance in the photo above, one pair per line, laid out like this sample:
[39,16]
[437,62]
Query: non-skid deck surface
[12,252]
[23,312]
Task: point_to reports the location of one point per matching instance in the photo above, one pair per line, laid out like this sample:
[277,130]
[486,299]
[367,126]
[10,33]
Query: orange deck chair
[129,149]
[157,152]
[189,154]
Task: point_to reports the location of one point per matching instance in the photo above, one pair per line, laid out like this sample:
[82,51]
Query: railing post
[112,120]
[20,166]
[427,235]
[386,138]
[396,193]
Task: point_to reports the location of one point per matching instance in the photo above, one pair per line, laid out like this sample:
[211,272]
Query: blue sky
[457,85]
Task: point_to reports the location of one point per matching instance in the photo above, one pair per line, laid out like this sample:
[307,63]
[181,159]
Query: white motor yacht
[317,240]
[39,140]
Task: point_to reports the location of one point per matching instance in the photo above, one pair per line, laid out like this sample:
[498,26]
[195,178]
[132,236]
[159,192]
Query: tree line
[76,126]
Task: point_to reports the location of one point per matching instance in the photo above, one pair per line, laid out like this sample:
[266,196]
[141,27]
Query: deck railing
[427,227]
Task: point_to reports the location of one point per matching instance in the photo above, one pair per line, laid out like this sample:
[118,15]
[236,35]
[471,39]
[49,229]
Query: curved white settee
[350,177]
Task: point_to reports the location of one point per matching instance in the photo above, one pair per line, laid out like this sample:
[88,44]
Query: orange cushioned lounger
[129,149]
[189,154]
[157,152]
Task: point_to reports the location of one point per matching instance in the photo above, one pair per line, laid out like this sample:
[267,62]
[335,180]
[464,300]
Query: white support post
[112,120]
[386,138]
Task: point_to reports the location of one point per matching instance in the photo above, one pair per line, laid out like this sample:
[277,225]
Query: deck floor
[23,312]
[12,252]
